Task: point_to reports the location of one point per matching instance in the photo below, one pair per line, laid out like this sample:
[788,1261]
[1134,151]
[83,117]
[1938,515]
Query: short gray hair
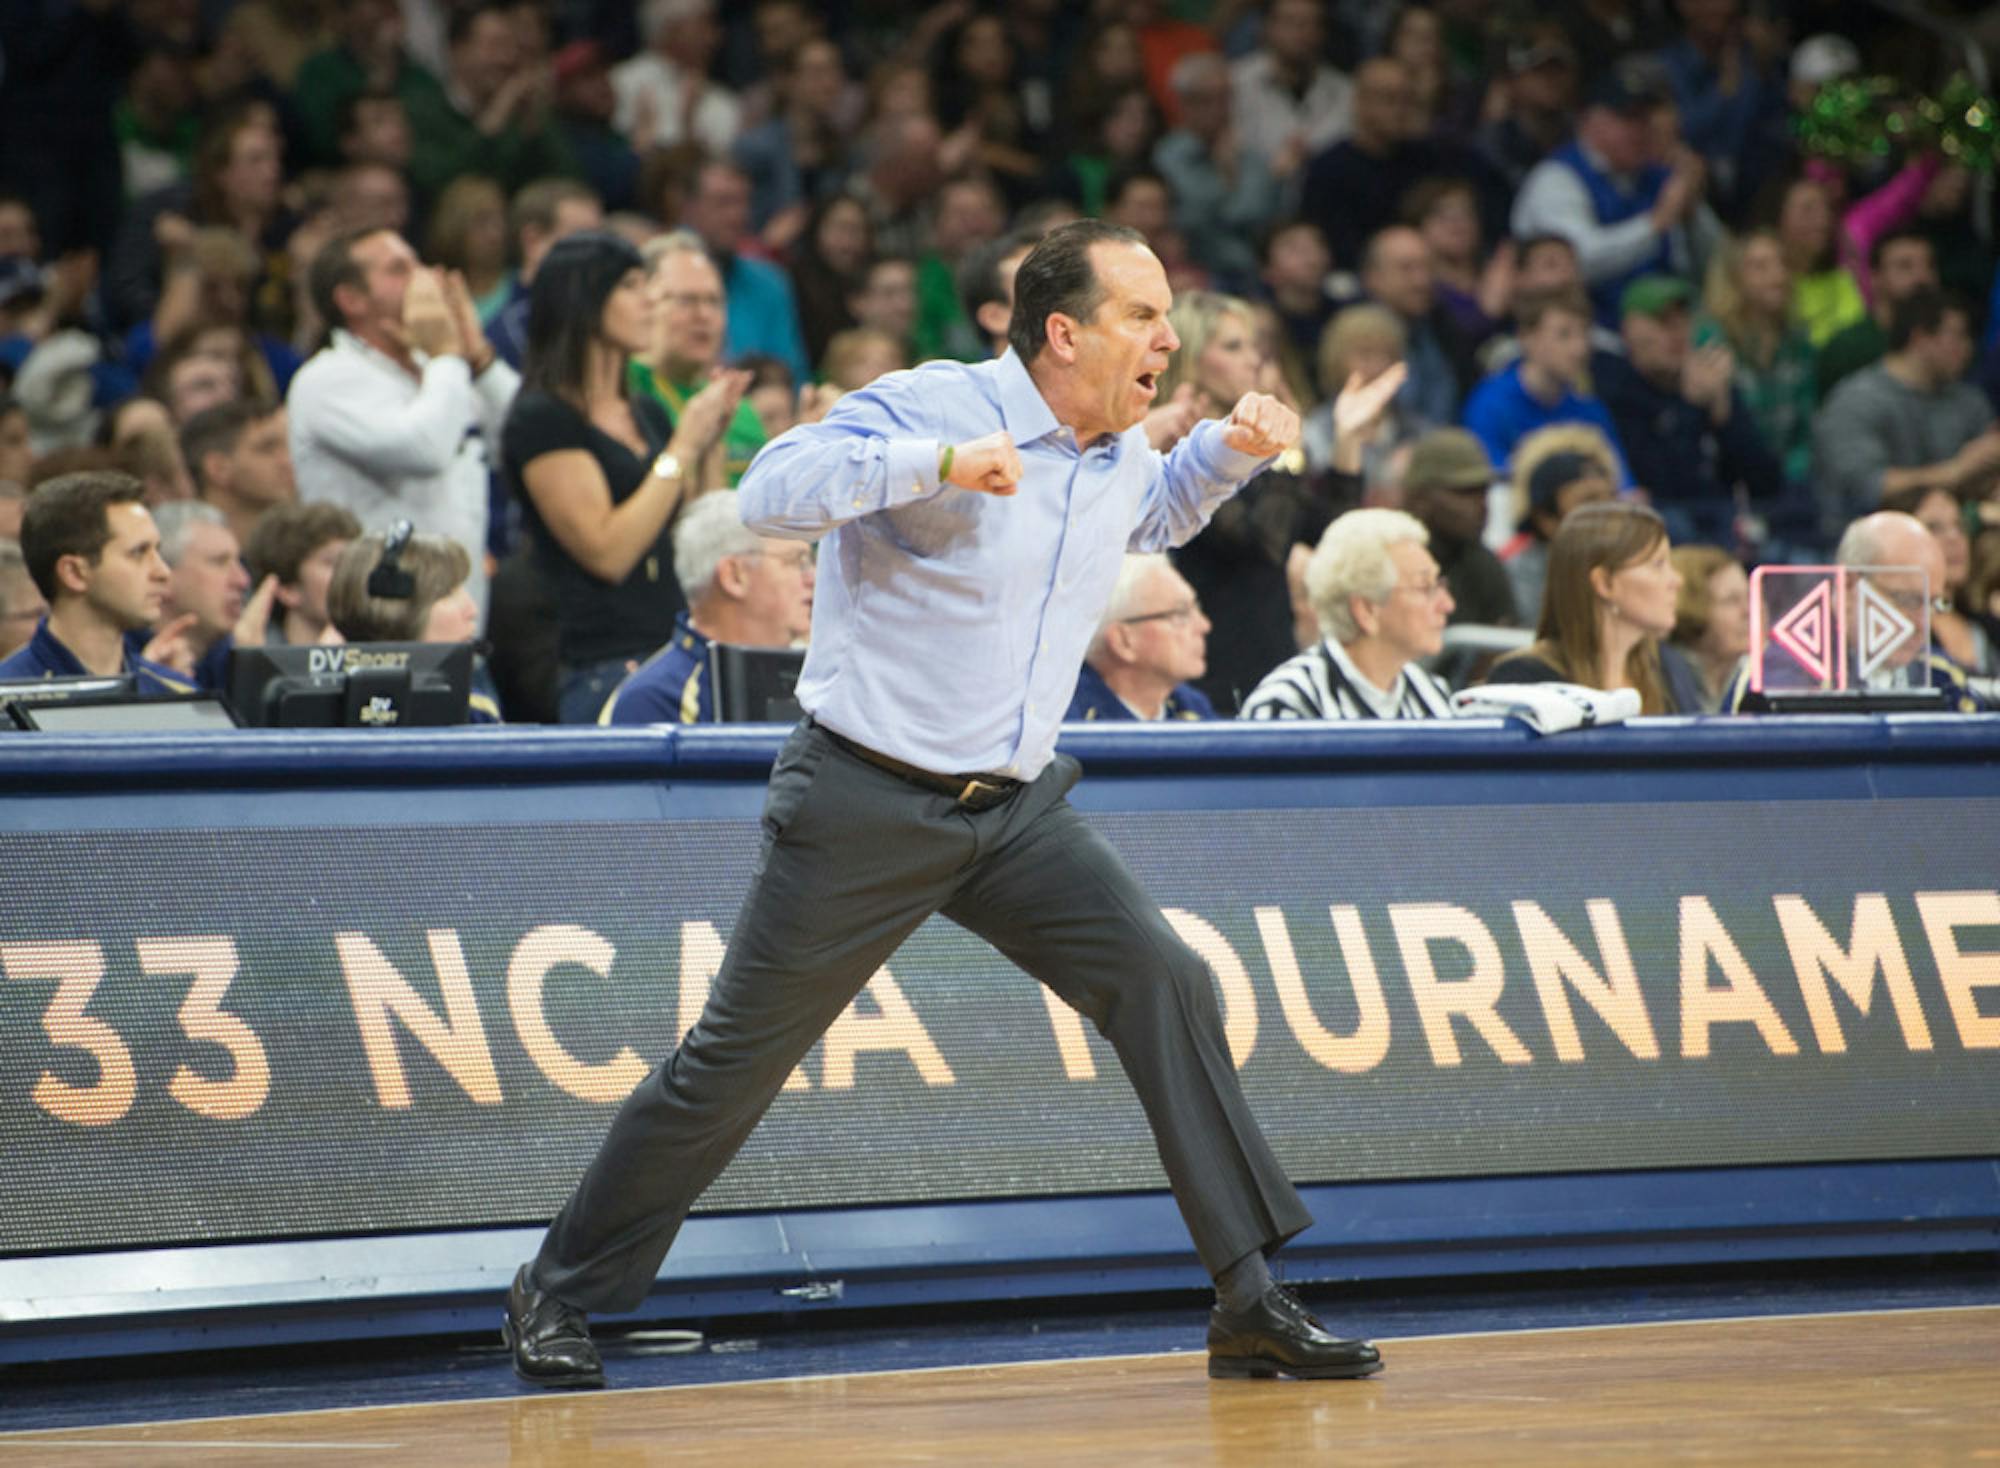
[709,531]
[1861,543]
[177,520]
[1352,559]
[1132,576]
[673,242]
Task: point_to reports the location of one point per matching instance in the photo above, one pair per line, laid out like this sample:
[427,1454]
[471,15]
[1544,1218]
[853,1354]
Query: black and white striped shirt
[1323,683]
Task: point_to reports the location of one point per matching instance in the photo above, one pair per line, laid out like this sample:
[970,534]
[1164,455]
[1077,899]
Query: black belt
[974,792]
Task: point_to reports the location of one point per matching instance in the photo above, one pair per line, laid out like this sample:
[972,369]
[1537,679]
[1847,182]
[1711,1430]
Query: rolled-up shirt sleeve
[877,450]
[1199,474]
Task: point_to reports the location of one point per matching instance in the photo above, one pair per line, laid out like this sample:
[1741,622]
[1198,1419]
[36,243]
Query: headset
[389,581]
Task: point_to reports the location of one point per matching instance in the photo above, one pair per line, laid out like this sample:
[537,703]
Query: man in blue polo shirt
[94,553]
[1152,640]
[742,589]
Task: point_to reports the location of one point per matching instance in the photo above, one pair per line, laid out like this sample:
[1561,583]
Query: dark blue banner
[210,1035]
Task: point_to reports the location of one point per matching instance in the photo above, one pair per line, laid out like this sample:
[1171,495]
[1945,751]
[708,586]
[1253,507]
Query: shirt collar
[346,341]
[55,655]
[1023,410]
[1383,701]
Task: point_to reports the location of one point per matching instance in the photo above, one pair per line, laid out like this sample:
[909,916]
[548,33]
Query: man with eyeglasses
[1896,557]
[1152,641]
[1382,605]
[974,518]
[687,351]
[743,589]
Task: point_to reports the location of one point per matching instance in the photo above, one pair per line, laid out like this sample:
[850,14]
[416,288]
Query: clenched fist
[990,465]
[1261,425]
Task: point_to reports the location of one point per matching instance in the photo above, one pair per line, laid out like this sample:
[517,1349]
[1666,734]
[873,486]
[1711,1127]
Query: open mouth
[1149,383]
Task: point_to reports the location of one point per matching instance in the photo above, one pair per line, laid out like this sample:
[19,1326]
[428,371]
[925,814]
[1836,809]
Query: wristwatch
[667,466]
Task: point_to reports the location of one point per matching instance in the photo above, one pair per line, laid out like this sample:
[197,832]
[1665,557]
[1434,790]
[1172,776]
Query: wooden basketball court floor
[1915,1386]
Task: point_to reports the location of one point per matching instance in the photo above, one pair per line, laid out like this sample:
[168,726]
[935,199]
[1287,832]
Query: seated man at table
[94,553]
[1381,605]
[1153,639]
[742,589]
[1900,558]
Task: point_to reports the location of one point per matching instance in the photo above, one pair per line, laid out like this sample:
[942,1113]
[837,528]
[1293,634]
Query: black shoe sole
[570,1380]
[1259,1368]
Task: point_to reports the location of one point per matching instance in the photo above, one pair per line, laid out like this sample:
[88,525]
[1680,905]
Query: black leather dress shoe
[1277,1336]
[550,1339]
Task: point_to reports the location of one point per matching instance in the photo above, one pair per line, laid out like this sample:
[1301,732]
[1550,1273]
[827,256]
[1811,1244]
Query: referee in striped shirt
[1381,606]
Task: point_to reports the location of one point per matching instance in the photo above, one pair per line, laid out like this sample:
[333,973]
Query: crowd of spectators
[1579,329]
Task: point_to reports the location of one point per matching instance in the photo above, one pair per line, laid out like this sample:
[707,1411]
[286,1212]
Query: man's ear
[350,301]
[1060,332]
[1367,615]
[1118,642]
[732,577]
[73,573]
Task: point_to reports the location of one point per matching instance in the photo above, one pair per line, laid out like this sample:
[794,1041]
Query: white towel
[1548,708]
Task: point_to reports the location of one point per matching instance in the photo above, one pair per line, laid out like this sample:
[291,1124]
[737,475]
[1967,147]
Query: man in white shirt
[664,94]
[1286,97]
[392,418]
[1381,605]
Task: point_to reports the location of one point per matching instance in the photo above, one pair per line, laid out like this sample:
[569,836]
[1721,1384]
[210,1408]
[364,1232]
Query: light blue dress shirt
[949,625]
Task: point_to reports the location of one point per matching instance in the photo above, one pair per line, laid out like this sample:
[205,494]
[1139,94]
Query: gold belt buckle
[972,787]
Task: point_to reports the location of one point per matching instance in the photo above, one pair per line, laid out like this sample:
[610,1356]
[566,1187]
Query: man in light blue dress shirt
[972,520]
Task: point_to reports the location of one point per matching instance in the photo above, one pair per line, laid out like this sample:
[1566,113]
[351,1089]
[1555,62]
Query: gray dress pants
[854,858]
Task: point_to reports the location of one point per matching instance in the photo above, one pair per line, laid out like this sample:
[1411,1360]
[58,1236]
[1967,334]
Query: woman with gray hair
[1381,606]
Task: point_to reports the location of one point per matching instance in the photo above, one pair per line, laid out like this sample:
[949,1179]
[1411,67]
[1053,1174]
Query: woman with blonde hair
[1612,596]
[1237,564]
[1367,339]
[1747,307]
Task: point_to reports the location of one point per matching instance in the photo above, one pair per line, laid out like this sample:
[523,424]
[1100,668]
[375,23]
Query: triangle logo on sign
[1884,628]
[1806,632]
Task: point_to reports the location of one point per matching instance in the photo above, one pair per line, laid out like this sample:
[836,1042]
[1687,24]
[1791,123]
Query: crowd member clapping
[598,470]
[1747,308]
[1382,606]
[1236,565]
[1611,597]
[392,418]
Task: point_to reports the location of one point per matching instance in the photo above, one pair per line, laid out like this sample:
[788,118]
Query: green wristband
[944,462]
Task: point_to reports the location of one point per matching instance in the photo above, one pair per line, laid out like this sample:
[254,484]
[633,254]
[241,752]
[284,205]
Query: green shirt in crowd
[740,440]
[1782,396]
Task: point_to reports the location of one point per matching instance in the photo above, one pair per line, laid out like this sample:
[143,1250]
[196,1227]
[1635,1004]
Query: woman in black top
[597,490]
